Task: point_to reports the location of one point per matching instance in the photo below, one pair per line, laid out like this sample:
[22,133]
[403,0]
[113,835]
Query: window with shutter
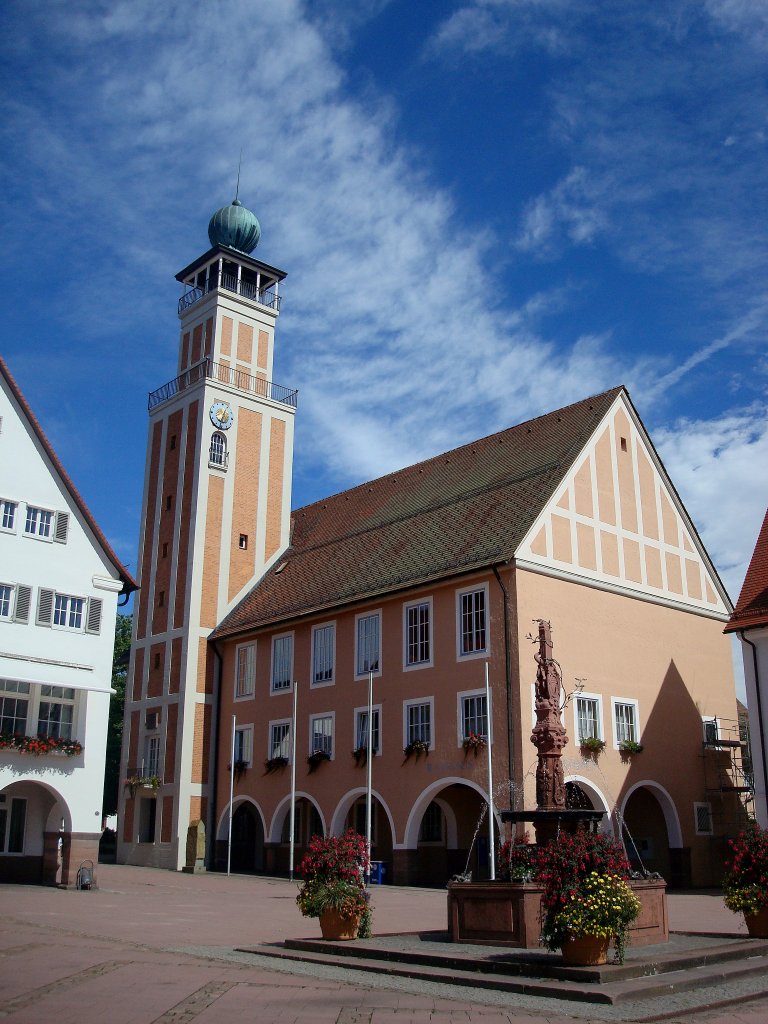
[61,527]
[23,602]
[44,607]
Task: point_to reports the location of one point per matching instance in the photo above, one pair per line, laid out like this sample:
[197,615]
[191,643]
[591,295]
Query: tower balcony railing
[264,296]
[207,369]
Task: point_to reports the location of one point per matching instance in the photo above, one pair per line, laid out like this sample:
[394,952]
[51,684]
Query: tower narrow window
[217,453]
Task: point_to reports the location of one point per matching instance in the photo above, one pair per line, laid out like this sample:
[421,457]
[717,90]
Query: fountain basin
[509,913]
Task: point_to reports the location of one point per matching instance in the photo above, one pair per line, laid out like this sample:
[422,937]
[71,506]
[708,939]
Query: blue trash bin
[377,872]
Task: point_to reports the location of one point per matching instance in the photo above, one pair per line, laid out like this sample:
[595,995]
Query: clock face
[221,415]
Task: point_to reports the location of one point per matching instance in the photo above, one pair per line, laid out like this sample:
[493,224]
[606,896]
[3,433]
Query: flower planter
[757,924]
[586,950]
[335,927]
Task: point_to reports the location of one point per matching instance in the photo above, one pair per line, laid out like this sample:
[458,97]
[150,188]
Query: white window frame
[287,740]
[708,807]
[315,630]
[358,712]
[322,716]
[376,613]
[33,511]
[461,654]
[218,453]
[460,698]
[246,732]
[414,703]
[600,728]
[246,672]
[289,687]
[61,698]
[7,504]
[63,607]
[413,666]
[7,601]
[630,702]
[150,765]
[29,696]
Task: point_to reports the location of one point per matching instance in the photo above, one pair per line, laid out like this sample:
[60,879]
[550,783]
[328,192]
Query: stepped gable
[752,607]
[458,511]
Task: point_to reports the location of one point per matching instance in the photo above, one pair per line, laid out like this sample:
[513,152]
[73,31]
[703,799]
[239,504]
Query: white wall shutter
[23,601]
[44,607]
[93,621]
[61,529]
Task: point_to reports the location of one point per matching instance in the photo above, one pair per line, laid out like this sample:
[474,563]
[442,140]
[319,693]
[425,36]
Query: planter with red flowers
[745,884]
[37,745]
[473,744]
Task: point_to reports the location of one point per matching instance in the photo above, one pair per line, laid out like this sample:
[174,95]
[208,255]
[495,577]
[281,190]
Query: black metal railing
[264,296]
[207,369]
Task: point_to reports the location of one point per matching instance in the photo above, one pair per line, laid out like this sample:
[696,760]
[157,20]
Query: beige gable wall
[615,521]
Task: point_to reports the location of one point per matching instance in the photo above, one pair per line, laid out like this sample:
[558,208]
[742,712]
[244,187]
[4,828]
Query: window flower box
[136,782]
[241,767]
[360,755]
[416,748]
[316,758]
[38,745]
[274,764]
[629,747]
[473,744]
[592,747]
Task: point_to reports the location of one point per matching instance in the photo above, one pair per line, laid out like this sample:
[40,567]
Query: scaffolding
[728,783]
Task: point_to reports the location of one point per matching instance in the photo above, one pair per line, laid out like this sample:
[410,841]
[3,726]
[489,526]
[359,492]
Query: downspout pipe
[213,809]
[760,726]
[507,674]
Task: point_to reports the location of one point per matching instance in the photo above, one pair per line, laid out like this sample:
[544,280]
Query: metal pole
[491,851]
[369,762]
[293,776]
[231,794]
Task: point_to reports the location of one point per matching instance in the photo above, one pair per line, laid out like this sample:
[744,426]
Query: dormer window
[217,453]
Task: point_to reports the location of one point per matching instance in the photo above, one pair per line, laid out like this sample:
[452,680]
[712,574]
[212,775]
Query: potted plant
[134,782]
[473,743]
[274,764]
[745,884]
[586,902]
[333,889]
[316,758]
[240,768]
[417,747]
[360,755]
[592,746]
[629,747]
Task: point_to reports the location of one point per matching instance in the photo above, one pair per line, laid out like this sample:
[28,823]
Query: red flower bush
[37,745]
[337,857]
[745,884]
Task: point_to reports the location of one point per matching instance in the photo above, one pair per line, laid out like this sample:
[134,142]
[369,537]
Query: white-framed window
[432,828]
[245,671]
[217,453]
[472,621]
[368,644]
[56,712]
[321,734]
[244,745]
[14,706]
[8,515]
[13,823]
[702,816]
[282,662]
[7,595]
[417,634]
[151,766]
[38,522]
[361,728]
[280,739]
[65,611]
[588,716]
[473,715]
[418,721]
[323,653]
[626,721]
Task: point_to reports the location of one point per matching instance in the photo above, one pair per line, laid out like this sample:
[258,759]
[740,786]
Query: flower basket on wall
[316,758]
[360,755]
[136,782]
[592,747]
[473,744]
[274,764]
[628,748]
[415,749]
[241,767]
[37,745]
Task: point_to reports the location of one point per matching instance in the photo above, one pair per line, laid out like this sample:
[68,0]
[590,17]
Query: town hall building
[420,578]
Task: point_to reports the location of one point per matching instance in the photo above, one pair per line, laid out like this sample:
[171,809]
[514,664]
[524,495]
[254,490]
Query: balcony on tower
[227,270]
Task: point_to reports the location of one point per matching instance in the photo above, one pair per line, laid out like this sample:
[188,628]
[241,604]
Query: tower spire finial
[239,165]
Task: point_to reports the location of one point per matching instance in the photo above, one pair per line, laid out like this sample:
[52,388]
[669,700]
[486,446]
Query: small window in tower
[165,549]
[157,661]
[173,441]
[243,541]
[161,599]
[217,453]
[623,444]
[169,502]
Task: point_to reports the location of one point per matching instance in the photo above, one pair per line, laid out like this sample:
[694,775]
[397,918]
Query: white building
[59,587]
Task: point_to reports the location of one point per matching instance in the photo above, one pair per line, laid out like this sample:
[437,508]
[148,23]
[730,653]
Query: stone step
[590,985]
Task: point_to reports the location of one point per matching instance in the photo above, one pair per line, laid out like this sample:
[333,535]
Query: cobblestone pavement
[154,946]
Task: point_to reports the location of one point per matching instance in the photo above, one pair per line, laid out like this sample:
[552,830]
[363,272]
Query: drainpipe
[760,727]
[212,808]
[508,676]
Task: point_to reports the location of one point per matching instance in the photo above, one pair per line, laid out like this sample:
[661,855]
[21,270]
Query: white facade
[754,650]
[59,588]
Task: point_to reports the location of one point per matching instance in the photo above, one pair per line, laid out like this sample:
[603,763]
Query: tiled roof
[752,607]
[129,584]
[459,511]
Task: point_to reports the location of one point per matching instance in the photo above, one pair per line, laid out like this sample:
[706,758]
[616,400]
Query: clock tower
[216,514]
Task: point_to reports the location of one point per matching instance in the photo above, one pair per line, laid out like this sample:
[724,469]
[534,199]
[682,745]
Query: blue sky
[486,208]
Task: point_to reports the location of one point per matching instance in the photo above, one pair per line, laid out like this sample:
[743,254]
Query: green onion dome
[235,227]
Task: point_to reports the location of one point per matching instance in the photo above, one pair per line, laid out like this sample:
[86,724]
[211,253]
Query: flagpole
[492,853]
[369,764]
[293,776]
[231,793]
